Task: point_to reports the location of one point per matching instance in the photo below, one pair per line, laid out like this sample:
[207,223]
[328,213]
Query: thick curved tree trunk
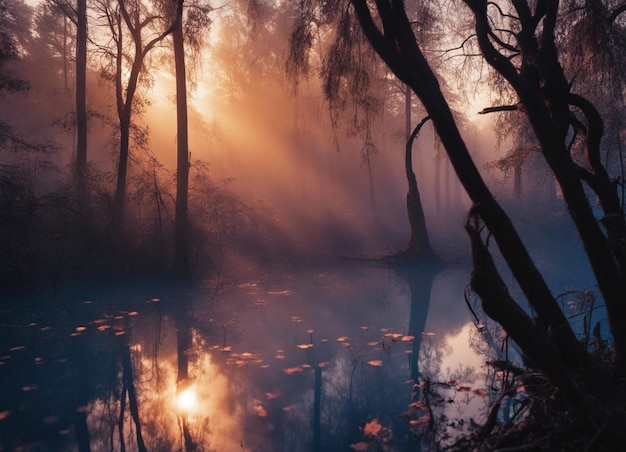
[419,243]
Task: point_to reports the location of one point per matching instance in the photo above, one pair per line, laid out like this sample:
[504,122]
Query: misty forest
[312,225]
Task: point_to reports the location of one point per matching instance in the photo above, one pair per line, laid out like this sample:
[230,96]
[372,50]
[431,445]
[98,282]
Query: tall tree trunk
[181,264]
[81,100]
[122,169]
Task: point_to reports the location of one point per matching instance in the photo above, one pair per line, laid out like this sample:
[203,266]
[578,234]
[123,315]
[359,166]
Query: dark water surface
[344,358]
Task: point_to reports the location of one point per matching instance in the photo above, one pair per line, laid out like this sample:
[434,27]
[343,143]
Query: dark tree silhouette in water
[519,41]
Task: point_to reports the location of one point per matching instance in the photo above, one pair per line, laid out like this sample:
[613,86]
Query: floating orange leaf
[375,363]
[260,411]
[372,428]
[273,395]
[359,446]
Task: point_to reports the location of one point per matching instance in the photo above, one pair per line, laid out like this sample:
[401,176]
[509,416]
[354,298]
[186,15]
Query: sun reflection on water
[187,400]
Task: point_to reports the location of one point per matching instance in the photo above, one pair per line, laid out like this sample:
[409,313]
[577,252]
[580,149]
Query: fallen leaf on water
[80,328]
[375,363]
[292,370]
[428,333]
[372,428]
[260,410]
[342,339]
[133,313]
[359,446]
[407,338]
[304,346]
[17,348]
[4,414]
[50,420]
[280,356]
[421,421]
[273,395]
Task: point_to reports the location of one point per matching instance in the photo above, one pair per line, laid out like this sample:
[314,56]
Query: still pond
[349,357]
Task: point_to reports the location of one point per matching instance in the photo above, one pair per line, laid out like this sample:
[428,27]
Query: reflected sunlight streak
[187,400]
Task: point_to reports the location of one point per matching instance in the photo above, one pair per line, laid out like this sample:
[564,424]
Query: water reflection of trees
[274,378]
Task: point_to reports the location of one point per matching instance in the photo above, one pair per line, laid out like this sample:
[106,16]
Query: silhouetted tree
[134,30]
[519,41]
[190,30]
[76,12]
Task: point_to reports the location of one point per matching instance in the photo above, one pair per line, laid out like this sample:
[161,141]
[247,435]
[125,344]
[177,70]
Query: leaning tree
[527,45]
